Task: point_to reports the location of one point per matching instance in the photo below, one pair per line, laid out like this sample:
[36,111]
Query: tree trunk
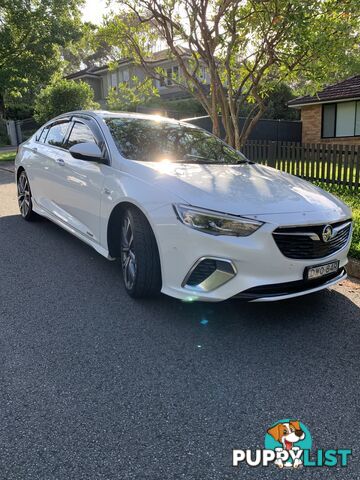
[229,129]
[215,124]
[249,125]
[214,114]
[237,136]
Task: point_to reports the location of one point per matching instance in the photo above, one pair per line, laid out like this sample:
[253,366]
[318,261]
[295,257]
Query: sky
[93,10]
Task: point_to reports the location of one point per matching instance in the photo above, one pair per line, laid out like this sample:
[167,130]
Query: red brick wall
[311,128]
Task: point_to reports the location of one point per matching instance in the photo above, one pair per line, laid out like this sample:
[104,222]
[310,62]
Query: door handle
[34,149]
[60,162]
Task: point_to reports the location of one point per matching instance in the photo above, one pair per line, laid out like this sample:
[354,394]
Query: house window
[329,116]
[113,80]
[171,75]
[124,75]
[341,119]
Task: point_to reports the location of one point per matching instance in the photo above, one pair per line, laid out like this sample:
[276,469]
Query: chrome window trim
[297,225]
[312,235]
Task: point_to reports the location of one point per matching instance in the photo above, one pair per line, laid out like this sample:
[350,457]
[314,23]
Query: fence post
[18,124]
[272,154]
[12,132]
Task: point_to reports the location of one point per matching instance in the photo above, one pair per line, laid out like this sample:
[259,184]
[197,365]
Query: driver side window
[80,133]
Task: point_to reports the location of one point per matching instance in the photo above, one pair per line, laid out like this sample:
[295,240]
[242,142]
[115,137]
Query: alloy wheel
[128,258]
[24,195]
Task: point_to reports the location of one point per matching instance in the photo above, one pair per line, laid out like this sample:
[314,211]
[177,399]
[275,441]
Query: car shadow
[42,238]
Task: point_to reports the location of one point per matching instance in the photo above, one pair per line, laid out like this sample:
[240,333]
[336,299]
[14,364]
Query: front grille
[307,243]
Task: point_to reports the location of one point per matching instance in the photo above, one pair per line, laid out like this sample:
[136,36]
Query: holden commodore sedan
[186,214]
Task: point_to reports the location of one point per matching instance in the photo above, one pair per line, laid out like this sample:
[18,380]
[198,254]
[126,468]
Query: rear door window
[57,134]
[43,134]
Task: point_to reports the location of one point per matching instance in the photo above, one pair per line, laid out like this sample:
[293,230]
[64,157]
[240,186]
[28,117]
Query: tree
[246,46]
[277,101]
[31,34]
[276,104]
[63,96]
[127,97]
[87,50]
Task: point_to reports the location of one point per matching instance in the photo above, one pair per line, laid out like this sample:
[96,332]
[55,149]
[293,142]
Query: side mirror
[86,151]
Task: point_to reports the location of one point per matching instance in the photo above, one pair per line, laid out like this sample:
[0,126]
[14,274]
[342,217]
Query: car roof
[107,114]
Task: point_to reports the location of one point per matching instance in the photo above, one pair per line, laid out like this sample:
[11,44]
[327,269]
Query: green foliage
[63,96]
[277,104]
[185,107]
[352,199]
[31,34]
[4,139]
[127,96]
[21,107]
[87,50]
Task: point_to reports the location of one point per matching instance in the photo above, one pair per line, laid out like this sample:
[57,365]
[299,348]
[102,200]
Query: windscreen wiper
[241,162]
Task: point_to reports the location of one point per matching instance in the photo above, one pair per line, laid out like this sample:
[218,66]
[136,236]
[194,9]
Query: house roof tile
[349,88]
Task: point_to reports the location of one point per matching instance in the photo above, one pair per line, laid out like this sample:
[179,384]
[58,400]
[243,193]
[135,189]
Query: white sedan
[187,214]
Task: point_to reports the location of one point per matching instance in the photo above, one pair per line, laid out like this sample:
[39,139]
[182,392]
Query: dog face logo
[287,434]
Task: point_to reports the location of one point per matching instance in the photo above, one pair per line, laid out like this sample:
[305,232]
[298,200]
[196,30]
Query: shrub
[63,96]
[4,138]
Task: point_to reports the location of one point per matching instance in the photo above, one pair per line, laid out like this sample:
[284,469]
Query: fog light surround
[209,273]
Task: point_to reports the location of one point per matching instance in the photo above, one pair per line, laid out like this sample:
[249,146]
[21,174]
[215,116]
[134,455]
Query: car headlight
[215,223]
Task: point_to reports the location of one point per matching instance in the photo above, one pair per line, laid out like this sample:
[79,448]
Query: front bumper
[257,261]
[282,291]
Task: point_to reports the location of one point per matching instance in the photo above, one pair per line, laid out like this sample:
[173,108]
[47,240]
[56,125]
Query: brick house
[332,115]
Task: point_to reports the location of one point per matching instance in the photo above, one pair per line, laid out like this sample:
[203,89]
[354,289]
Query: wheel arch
[18,172]
[113,230]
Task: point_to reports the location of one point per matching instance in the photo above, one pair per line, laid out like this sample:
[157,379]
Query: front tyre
[25,198]
[139,256]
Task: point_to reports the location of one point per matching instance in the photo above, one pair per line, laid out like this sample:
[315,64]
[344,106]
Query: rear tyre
[25,198]
[139,256]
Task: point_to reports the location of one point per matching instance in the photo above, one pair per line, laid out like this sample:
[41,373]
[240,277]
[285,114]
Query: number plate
[318,271]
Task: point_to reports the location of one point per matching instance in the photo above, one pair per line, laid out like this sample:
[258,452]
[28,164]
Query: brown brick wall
[311,128]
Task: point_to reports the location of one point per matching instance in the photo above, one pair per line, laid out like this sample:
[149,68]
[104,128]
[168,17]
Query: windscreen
[148,140]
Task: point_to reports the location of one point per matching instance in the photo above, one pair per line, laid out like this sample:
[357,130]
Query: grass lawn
[7,156]
[352,199]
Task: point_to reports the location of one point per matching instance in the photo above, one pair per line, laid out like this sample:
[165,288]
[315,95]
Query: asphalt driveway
[94,385]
